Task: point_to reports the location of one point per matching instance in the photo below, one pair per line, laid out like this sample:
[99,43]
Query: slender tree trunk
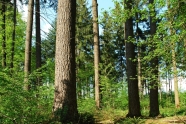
[139,73]
[28,44]
[184,59]
[154,104]
[96,52]
[13,35]
[78,66]
[139,69]
[38,41]
[167,82]
[160,86]
[175,73]
[3,12]
[133,93]
[65,101]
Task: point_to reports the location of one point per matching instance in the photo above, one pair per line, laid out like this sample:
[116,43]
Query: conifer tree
[174,59]
[96,52]
[84,49]
[133,94]
[28,44]
[65,102]
[154,103]
[112,58]
[38,40]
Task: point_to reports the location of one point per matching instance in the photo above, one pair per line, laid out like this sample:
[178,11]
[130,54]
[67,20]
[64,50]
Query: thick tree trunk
[28,44]
[133,94]
[65,102]
[96,52]
[13,35]
[154,104]
[38,41]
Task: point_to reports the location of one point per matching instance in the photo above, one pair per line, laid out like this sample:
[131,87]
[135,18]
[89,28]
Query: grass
[111,115]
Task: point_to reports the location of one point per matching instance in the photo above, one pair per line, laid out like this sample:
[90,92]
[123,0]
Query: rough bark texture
[38,40]
[65,101]
[154,104]
[28,43]
[133,94]
[96,51]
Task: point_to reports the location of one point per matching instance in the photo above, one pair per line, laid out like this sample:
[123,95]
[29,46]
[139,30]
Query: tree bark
[140,80]
[154,103]
[133,92]
[38,41]
[175,72]
[96,52]
[65,101]
[28,44]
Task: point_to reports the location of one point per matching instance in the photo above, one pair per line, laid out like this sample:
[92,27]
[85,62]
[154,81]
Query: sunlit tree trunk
[140,81]
[175,72]
[28,43]
[175,75]
[96,52]
[65,101]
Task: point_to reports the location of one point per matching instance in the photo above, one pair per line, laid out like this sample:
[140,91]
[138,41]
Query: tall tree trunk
[160,86]
[175,73]
[138,36]
[28,43]
[154,104]
[133,94]
[140,81]
[78,66]
[38,41]
[96,51]
[13,35]
[65,101]
[3,13]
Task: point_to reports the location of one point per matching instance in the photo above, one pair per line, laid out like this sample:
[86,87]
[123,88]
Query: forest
[125,65]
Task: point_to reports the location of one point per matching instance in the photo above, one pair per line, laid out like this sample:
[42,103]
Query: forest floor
[158,120]
[119,117]
[167,120]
